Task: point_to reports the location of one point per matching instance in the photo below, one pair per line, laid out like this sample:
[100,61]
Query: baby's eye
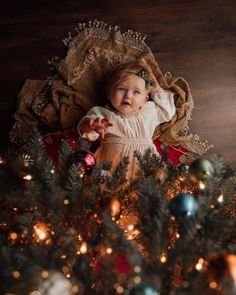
[120,89]
[136,92]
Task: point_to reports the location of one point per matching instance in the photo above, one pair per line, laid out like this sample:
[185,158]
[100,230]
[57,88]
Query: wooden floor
[194,39]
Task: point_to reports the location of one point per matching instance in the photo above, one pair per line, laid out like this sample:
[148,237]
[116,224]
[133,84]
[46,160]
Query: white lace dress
[131,132]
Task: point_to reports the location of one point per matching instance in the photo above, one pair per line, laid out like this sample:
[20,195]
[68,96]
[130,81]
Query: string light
[202,186]
[137,269]
[27,177]
[119,289]
[75,289]
[81,172]
[199,264]
[163,258]
[16,274]
[66,202]
[231,262]
[220,199]
[213,285]
[137,280]
[109,250]
[80,238]
[83,248]
[44,274]
[181,178]
[132,235]
[2,161]
[13,236]
[40,232]
[177,235]
[130,227]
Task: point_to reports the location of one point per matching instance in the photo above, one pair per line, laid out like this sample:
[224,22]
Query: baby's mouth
[125,103]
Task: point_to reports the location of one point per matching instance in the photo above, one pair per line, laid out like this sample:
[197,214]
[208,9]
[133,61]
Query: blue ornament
[143,290]
[183,204]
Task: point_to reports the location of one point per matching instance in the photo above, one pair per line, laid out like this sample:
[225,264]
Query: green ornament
[201,169]
[143,290]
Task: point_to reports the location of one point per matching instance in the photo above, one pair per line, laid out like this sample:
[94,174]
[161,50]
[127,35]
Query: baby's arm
[164,102]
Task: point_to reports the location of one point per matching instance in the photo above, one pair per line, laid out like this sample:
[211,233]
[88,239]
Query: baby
[136,106]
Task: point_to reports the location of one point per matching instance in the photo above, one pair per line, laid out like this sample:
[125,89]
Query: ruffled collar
[110,107]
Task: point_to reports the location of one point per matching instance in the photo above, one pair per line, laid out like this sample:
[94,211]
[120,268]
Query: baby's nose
[129,94]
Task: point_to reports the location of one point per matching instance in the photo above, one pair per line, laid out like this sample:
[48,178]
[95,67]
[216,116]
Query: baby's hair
[124,71]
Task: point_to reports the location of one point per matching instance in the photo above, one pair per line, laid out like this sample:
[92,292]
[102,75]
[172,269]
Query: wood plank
[194,39]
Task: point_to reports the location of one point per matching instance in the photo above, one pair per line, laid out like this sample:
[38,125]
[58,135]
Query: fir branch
[119,175]
[65,151]
[151,211]
[74,183]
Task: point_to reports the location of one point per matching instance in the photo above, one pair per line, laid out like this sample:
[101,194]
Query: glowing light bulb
[130,227]
[163,258]
[119,289]
[109,250]
[66,202]
[231,262]
[2,161]
[40,232]
[27,177]
[213,285]
[202,185]
[44,274]
[137,269]
[137,280]
[199,264]
[75,289]
[177,235]
[83,248]
[16,274]
[13,236]
[220,199]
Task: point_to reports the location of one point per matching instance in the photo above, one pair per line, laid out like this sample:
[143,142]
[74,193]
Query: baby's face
[128,96]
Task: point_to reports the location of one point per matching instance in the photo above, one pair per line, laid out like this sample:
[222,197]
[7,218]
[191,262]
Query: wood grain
[193,39]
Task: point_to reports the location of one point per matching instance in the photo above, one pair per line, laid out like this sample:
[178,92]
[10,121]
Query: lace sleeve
[164,106]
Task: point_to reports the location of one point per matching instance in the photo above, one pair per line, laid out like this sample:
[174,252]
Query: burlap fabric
[61,101]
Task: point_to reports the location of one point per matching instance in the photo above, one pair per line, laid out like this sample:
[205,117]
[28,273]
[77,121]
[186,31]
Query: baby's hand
[156,86]
[99,125]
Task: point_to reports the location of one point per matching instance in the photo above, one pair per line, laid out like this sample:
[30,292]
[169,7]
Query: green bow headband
[142,74]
